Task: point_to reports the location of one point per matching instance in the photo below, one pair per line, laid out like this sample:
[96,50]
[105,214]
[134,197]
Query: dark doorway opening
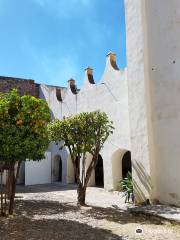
[57,169]
[99,172]
[126,164]
[77,163]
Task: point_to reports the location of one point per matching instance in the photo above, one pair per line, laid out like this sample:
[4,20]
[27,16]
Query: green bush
[127,186]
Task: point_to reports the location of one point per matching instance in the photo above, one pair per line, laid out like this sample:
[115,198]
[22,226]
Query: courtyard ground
[50,212]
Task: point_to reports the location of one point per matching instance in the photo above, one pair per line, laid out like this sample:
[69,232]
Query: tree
[81,134]
[23,135]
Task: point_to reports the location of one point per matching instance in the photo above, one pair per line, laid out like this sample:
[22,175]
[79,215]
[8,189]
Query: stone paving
[101,198]
[50,212]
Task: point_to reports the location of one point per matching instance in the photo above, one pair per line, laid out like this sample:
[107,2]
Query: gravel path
[50,212]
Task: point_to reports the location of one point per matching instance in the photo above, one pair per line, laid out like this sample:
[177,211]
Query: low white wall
[38,172]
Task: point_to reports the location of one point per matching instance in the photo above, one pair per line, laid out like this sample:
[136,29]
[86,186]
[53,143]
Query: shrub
[127,186]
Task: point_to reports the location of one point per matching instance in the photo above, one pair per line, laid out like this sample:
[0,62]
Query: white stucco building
[142,101]
[109,95]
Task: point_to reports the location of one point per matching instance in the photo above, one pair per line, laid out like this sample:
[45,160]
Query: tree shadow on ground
[20,228]
[49,208]
[159,209]
[124,216]
[42,207]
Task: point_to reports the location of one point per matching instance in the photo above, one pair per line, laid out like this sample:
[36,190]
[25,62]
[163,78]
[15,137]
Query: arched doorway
[57,169]
[126,164]
[121,164]
[99,172]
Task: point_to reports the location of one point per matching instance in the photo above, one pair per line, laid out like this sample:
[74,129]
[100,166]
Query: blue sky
[51,41]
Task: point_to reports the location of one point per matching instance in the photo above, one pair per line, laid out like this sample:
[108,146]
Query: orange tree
[83,133]
[23,135]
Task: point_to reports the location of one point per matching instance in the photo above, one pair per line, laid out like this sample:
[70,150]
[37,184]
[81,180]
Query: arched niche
[121,163]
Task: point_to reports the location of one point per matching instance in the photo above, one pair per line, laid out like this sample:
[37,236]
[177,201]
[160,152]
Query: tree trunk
[81,191]
[13,182]
[1,174]
[12,192]
[9,183]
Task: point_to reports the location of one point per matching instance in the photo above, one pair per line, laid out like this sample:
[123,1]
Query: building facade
[109,95]
[142,101]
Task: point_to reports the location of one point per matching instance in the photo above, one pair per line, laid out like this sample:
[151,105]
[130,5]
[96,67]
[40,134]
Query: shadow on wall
[142,188]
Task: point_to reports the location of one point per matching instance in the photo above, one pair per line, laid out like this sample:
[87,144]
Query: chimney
[72,85]
[71,82]
[111,58]
[89,75]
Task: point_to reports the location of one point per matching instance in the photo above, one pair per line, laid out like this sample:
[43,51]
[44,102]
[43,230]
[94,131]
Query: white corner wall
[153,63]
[163,69]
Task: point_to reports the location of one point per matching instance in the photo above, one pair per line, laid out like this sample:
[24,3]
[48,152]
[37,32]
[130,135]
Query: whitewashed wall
[38,172]
[138,99]
[153,56]
[163,68]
